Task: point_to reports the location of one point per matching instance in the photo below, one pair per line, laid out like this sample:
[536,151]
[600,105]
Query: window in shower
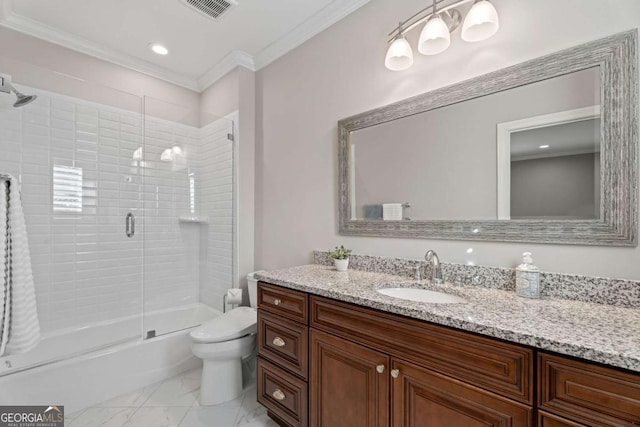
[67,189]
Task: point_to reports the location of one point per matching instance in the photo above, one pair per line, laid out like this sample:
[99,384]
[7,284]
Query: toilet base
[221,381]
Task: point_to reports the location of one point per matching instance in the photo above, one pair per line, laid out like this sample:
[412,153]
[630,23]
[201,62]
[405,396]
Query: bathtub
[71,368]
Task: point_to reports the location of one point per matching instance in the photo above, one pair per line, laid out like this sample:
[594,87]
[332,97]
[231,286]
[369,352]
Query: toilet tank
[252,285]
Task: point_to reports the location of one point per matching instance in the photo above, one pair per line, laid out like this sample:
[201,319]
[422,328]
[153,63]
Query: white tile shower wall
[216,197]
[85,269]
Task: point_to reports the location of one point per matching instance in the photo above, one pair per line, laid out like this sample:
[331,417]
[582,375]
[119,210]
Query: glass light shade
[399,55]
[481,22]
[167,155]
[137,155]
[435,37]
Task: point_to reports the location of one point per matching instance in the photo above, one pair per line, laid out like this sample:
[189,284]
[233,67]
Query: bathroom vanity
[335,352]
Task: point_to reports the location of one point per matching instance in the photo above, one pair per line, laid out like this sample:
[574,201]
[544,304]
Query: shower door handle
[130,223]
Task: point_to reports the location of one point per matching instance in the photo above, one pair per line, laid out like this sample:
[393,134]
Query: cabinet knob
[395,373]
[277,301]
[380,369]
[278,342]
[278,394]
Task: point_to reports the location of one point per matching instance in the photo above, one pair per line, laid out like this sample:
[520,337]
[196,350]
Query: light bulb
[435,37]
[481,22]
[399,55]
[158,49]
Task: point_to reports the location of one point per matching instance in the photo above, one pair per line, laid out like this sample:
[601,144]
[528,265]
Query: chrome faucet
[436,272]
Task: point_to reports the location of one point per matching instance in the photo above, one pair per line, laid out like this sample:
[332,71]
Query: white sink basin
[421,295]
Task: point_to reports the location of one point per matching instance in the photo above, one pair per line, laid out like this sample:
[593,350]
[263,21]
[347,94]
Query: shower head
[22,99]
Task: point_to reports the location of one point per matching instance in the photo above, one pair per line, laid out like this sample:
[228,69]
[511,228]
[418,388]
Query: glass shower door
[188,198]
[73,152]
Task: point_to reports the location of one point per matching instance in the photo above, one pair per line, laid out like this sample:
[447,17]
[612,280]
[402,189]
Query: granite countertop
[596,332]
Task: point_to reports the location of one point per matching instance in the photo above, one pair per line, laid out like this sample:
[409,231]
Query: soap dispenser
[528,278]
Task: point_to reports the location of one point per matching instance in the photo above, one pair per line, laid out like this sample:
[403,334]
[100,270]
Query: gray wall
[555,187]
[340,72]
[444,161]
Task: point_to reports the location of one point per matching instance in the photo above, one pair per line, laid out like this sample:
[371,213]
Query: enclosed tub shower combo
[128,206]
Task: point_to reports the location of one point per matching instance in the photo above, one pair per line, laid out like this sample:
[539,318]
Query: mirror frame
[618,224]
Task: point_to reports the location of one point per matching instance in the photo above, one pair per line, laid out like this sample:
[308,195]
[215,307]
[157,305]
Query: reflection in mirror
[447,163]
[554,167]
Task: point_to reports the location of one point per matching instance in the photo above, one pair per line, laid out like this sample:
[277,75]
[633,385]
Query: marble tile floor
[173,403]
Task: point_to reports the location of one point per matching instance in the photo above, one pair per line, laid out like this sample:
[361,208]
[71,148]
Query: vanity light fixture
[544,146]
[441,20]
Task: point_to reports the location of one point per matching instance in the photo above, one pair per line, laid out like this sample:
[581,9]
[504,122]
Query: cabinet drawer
[284,342]
[282,394]
[503,368]
[588,393]
[550,420]
[284,302]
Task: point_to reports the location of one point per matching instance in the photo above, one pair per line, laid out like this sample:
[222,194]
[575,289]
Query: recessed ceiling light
[544,146]
[158,48]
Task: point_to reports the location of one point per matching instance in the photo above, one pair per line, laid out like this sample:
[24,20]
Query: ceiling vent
[213,9]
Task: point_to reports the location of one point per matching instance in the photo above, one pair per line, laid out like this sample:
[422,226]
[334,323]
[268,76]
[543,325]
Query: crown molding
[42,31]
[323,19]
[233,59]
[329,15]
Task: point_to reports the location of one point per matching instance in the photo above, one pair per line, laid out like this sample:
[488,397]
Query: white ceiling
[202,50]
[565,139]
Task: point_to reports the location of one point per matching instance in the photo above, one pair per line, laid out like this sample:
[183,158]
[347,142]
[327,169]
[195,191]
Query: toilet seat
[234,324]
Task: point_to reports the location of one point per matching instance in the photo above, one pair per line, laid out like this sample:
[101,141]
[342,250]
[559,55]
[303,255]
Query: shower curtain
[19,326]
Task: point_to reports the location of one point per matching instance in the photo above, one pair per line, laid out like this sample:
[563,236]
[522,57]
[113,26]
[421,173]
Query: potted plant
[340,257]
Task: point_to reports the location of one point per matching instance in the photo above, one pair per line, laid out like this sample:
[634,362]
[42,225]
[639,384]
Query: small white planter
[341,264]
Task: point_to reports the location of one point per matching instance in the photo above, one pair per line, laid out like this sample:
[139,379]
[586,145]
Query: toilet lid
[236,323]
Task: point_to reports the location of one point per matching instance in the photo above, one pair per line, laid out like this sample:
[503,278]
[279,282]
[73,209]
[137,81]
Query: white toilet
[222,344]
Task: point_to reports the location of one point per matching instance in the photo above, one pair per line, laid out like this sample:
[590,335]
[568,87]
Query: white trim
[334,12]
[42,31]
[235,125]
[320,21]
[352,181]
[234,59]
[503,134]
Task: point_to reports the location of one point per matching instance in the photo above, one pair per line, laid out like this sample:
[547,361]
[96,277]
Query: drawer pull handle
[395,373]
[278,394]
[278,342]
[380,369]
[277,301]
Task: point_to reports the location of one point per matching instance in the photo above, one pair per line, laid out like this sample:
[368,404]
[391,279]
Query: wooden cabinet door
[423,398]
[349,384]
